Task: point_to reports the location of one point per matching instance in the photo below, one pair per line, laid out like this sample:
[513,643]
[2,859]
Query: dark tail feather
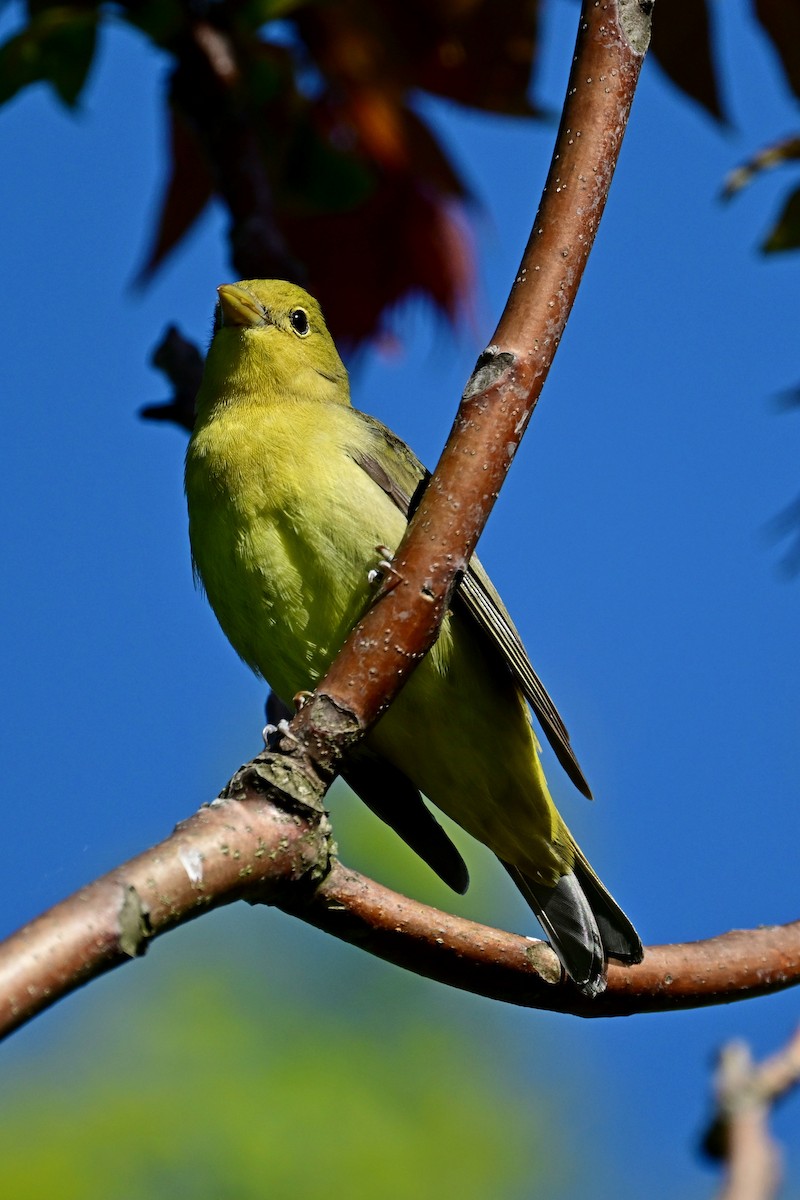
[583,923]
[564,914]
[620,939]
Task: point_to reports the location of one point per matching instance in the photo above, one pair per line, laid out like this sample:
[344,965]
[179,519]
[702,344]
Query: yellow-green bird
[291,491]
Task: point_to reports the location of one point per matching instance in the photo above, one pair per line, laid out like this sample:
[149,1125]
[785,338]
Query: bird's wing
[487,609]
[393,797]
[393,467]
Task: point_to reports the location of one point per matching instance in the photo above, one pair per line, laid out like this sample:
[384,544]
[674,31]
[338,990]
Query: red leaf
[188,191]
[403,239]
[478,52]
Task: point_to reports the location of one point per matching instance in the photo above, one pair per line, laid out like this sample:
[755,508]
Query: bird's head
[271,342]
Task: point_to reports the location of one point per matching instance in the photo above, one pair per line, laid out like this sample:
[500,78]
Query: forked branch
[271,845]
[267,841]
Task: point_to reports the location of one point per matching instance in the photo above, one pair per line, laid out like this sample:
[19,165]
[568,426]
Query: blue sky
[630,545]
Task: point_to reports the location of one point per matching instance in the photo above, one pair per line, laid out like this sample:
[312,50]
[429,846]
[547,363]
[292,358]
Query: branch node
[542,958]
[134,924]
[492,364]
[325,730]
[635,19]
[287,781]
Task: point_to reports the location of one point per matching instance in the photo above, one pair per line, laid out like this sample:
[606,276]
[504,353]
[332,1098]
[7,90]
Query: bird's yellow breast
[284,527]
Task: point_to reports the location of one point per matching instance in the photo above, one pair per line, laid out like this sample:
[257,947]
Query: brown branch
[267,841]
[400,627]
[242,846]
[738,965]
[739,1133]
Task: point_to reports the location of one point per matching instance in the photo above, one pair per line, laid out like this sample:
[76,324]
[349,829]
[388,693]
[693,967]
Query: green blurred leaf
[785,233]
[160,20]
[320,179]
[206,1091]
[56,47]
[259,12]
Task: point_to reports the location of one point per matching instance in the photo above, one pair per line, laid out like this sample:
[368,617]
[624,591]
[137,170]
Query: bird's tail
[584,924]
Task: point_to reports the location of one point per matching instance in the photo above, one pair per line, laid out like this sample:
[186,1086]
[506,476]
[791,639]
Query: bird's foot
[272,734]
[385,572]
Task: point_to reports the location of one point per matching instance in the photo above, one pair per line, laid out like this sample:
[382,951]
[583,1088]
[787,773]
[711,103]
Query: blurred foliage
[785,232]
[232,1084]
[682,45]
[300,117]
[780,20]
[261,1058]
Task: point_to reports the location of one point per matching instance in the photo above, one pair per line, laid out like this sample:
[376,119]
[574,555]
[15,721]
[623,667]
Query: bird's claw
[385,572]
[273,733]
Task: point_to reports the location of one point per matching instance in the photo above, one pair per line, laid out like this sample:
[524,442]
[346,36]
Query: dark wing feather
[487,609]
[393,798]
[398,473]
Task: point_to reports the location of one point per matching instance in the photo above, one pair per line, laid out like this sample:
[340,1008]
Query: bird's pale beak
[238,307]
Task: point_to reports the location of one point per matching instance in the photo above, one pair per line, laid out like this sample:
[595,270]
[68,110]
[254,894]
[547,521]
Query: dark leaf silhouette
[188,191]
[781,20]
[785,233]
[682,45]
[56,47]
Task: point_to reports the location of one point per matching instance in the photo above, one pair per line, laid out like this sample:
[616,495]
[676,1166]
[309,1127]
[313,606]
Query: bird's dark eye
[299,320]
